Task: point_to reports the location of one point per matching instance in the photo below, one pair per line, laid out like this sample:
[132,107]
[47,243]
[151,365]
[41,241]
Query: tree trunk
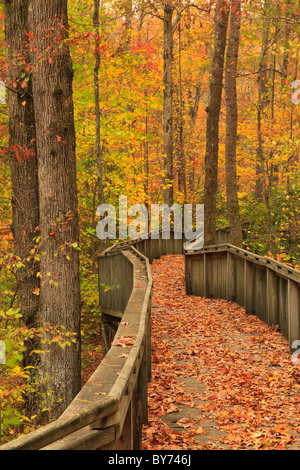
[231,124]
[23,164]
[146,140]
[181,150]
[286,51]
[168,193]
[146,156]
[128,25]
[212,126]
[96,22]
[60,289]
[263,100]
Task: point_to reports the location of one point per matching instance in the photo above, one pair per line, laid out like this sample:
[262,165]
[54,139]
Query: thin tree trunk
[54,116]
[23,166]
[212,127]
[146,156]
[146,141]
[231,124]
[128,24]
[263,100]
[181,152]
[96,23]
[168,193]
[286,51]
[194,102]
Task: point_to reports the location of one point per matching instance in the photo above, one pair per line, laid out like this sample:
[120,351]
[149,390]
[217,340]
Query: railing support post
[230,290]
[293,312]
[248,283]
[272,298]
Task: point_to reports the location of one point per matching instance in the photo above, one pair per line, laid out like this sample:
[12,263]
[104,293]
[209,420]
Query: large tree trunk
[231,124]
[60,288]
[23,164]
[168,193]
[212,126]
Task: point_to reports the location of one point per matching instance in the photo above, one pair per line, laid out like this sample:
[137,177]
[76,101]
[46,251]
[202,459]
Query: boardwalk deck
[221,379]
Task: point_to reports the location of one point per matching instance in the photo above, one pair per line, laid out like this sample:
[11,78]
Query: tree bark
[128,25]
[212,126]
[181,149]
[168,192]
[60,288]
[23,164]
[263,100]
[96,23]
[232,124]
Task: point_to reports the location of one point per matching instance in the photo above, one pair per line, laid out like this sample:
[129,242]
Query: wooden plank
[262,307]
[148,344]
[197,276]
[283,305]
[230,288]
[214,276]
[239,281]
[248,286]
[272,298]
[64,426]
[137,413]
[85,439]
[293,312]
[223,276]
[208,275]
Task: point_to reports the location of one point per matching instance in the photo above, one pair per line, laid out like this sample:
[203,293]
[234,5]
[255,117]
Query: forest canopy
[163,101]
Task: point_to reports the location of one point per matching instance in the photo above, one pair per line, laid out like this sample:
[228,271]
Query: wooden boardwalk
[221,379]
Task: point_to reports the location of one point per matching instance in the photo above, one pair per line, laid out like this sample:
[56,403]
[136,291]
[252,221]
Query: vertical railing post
[188,273]
[148,344]
[293,312]
[137,413]
[248,285]
[272,298]
[208,275]
[144,386]
[230,290]
[205,291]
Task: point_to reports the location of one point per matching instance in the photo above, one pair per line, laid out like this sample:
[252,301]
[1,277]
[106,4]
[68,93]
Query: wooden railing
[265,287]
[109,411]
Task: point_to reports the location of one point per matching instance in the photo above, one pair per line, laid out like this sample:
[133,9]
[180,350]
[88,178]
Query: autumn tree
[212,125]
[168,102]
[60,302]
[263,100]
[23,165]
[231,124]
[96,22]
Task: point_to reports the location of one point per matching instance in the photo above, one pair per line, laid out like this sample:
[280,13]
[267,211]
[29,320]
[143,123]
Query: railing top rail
[63,426]
[124,244]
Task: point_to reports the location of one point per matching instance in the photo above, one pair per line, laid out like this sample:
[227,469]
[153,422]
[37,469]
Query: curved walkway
[221,379]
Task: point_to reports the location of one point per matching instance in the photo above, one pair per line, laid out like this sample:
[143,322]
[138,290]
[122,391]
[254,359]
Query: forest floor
[221,379]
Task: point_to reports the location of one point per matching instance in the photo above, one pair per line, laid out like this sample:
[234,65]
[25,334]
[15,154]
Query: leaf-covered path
[221,379]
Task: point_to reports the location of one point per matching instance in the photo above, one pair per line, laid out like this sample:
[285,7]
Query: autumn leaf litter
[245,392]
